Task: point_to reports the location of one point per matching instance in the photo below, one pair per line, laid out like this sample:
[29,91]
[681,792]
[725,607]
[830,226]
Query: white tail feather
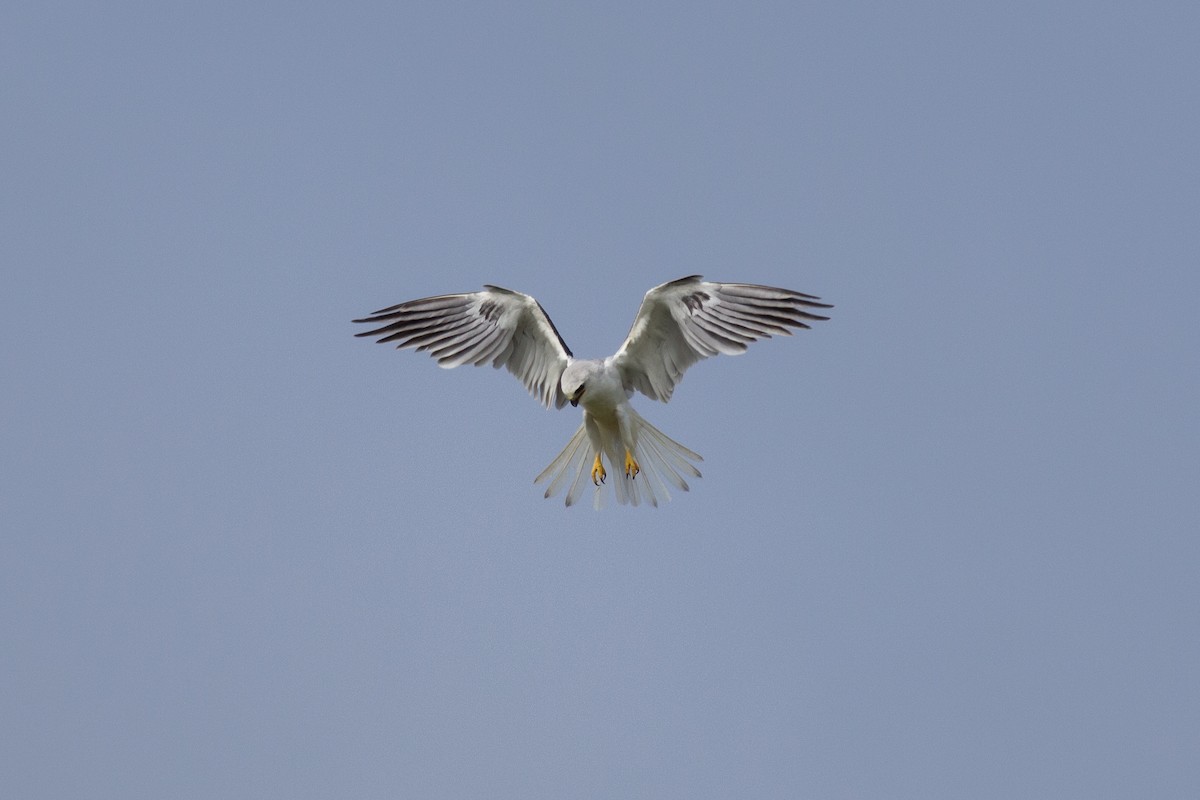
[561,465]
[662,460]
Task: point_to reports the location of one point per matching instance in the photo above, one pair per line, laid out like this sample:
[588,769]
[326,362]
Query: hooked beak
[574,401]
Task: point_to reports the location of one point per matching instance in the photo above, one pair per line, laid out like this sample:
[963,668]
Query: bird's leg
[598,473]
[627,429]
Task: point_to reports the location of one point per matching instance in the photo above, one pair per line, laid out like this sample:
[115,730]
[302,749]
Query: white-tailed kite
[678,324]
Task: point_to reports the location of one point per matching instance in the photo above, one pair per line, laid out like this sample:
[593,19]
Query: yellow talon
[598,473]
[631,466]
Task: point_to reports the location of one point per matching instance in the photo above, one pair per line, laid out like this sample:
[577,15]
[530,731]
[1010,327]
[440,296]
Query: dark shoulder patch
[558,335]
[489,310]
[695,300]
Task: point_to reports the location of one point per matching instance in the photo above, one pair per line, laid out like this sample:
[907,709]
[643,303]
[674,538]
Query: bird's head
[574,381]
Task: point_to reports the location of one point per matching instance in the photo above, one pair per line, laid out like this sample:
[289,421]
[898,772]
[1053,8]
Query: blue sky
[945,544]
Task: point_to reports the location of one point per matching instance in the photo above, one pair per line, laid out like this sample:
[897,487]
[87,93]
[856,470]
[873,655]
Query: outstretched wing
[507,328]
[686,320]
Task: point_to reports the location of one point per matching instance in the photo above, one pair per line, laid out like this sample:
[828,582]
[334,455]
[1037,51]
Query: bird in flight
[678,324]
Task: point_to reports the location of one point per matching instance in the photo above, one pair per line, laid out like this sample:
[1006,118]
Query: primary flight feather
[678,324]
